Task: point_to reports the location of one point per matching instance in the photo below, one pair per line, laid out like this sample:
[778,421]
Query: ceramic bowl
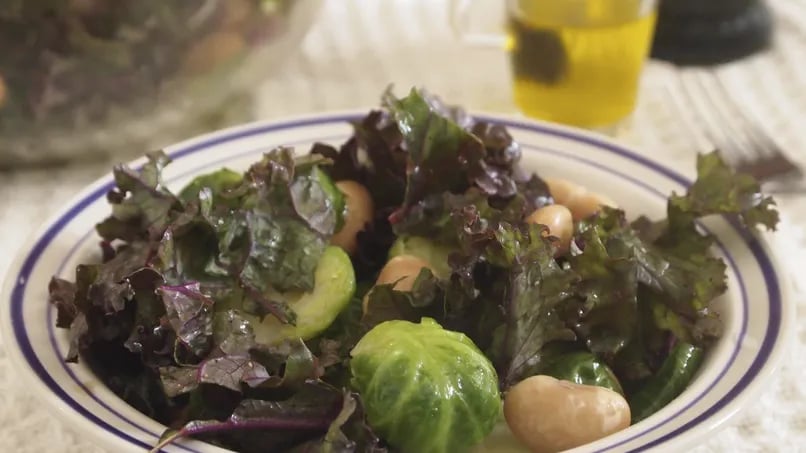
[754,309]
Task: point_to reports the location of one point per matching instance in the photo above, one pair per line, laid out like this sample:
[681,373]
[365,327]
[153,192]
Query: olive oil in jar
[579,62]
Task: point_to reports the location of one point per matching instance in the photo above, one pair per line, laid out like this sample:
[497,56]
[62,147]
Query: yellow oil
[581,66]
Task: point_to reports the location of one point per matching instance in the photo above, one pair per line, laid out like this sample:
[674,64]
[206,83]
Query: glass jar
[80,78]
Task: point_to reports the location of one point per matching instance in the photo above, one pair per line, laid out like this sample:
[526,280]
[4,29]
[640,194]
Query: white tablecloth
[352,53]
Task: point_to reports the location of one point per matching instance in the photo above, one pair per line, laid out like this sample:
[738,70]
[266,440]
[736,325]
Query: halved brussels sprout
[320,190]
[217,182]
[426,389]
[316,310]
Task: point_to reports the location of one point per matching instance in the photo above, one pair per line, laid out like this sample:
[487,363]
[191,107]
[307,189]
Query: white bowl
[755,309]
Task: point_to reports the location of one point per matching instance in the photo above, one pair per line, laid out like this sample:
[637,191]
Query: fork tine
[772,161]
[744,143]
[774,166]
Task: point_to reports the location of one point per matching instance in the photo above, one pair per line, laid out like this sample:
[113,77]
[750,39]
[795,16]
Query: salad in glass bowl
[83,77]
[412,290]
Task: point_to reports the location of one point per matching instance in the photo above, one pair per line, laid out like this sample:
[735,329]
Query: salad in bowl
[414,289]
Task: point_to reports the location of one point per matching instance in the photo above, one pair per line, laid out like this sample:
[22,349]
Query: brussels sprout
[217,182]
[426,389]
[583,368]
[317,309]
[318,189]
[434,254]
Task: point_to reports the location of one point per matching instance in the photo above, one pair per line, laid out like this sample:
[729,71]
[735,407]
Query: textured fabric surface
[355,50]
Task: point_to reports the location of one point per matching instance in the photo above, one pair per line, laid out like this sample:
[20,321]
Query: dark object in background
[703,32]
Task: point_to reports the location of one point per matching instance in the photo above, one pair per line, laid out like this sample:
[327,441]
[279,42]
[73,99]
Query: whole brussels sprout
[426,389]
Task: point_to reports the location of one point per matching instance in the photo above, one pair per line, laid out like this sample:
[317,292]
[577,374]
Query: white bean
[559,221]
[549,415]
[587,204]
[579,200]
[402,269]
[563,190]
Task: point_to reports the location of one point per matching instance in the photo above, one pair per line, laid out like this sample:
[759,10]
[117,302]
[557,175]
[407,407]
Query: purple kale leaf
[308,413]
[636,290]
[177,380]
[141,206]
[232,371]
[280,236]
[349,432]
[108,300]
[606,315]
[63,296]
[191,316]
[290,363]
[435,144]
[106,285]
[684,277]
[536,289]
[233,333]
[151,336]
[252,370]
[720,190]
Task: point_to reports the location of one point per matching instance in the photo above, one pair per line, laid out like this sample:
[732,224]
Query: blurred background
[98,78]
[86,83]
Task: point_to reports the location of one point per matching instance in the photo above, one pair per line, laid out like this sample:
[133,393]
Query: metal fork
[713,120]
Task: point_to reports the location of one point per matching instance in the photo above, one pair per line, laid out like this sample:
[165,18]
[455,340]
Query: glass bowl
[88,78]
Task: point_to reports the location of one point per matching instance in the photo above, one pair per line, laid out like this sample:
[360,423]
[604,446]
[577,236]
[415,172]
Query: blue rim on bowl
[18,278]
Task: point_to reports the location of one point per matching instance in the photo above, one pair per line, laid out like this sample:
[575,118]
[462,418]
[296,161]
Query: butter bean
[589,203]
[402,269]
[559,221]
[579,200]
[549,415]
[563,190]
